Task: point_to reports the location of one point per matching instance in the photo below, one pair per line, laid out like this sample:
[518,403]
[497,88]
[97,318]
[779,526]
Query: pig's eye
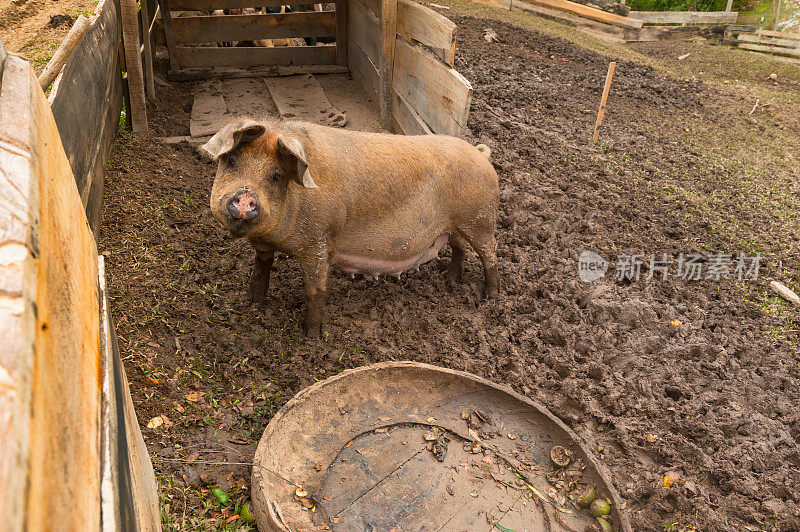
[231,161]
[276,175]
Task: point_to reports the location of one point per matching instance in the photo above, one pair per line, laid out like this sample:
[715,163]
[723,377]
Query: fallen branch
[753,110]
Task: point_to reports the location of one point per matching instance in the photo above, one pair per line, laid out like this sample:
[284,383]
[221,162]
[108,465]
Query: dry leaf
[155,422]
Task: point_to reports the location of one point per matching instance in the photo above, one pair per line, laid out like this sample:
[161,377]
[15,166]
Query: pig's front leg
[315,277]
[259,282]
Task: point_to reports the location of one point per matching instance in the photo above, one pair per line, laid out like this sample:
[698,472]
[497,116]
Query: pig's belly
[375,264]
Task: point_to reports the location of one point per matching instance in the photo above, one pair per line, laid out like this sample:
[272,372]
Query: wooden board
[373,470]
[408,121]
[203,29]
[56,456]
[19,210]
[419,24]
[685,17]
[341,31]
[363,69]
[147,52]
[439,94]
[208,5]
[385,65]
[129,491]
[666,33]
[133,63]
[591,13]
[254,72]
[364,30]
[302,98]
[217,102]
[772,41]
[771,49]
[599,29]
[779,34]
[245,57]
[87,131]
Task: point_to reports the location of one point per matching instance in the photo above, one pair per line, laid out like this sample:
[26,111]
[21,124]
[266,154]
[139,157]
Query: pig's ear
[291,150]
[227,139]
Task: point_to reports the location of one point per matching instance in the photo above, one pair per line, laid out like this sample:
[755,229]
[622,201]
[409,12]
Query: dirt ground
[699,378]
[35,28]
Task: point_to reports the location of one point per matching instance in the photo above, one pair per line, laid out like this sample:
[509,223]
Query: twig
[753,110]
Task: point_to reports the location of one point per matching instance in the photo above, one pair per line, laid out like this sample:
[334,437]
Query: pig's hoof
[316,330]
[491,291]
[455,275]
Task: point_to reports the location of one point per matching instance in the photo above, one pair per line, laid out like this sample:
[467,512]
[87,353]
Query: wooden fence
[71,453]
[782,44]
[685,17]
[86,100]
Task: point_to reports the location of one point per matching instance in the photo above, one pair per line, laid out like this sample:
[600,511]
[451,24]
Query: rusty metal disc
[409,446]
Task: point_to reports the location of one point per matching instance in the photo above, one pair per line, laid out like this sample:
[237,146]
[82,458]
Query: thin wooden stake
[65,49]
[129,16]
[602,111]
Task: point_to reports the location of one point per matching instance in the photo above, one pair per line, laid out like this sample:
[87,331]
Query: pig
[362,203]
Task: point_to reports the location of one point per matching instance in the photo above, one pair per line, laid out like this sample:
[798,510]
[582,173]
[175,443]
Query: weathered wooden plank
[666,33]
[772,41]
[771,49]
[364,30]
[591,13]
[133,64]
[203,29]
[604,31]
[264,71]
[419,24]
[147,52]
[407,119]
[88,130]
[245,57]
[19,210]
[685,17]
[363,69]
[341,31]
[64,467]
[169,34]
[386,60]
[302,98]
[779,34]
[438,93]
[208,5]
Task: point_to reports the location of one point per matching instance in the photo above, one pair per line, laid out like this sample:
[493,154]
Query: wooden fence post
[147,52]
[386,59]
[133,62]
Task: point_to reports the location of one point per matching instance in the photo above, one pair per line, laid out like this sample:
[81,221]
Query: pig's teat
[243,205]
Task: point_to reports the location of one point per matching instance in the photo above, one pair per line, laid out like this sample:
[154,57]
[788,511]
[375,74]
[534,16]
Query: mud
[656,377]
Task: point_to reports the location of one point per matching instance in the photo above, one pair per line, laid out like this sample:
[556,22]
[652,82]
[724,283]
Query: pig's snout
[243,205]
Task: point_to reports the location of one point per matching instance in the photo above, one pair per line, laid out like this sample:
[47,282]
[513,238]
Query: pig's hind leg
[259,282]
[458,246]
[485,246]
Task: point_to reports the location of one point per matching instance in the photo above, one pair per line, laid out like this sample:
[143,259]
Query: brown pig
[359,202]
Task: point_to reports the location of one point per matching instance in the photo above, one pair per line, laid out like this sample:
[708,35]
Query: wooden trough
[409,446]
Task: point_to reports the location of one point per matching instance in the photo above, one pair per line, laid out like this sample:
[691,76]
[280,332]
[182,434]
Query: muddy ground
[695,377]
